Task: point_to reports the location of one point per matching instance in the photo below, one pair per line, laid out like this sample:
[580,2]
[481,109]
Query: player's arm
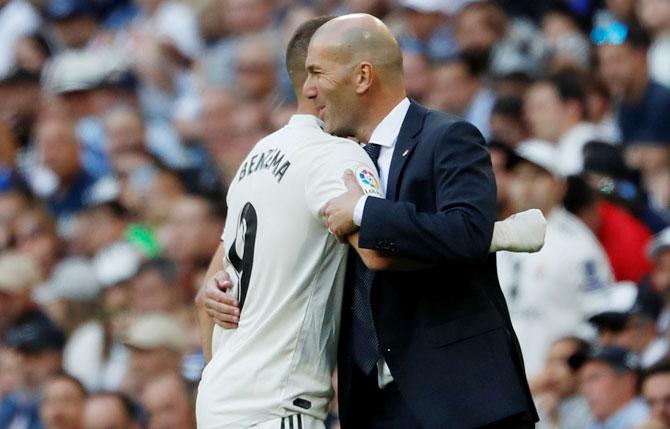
[213,305]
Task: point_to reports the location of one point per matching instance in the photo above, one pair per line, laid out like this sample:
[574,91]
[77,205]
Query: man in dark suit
[432,347]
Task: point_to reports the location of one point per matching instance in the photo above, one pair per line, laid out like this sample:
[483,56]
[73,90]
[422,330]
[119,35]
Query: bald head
[355,38]
[354,74]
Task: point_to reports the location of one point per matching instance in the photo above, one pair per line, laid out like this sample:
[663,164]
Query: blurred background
[123,121]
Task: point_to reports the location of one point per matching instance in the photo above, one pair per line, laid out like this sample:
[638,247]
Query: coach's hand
[221,307]
[339,211]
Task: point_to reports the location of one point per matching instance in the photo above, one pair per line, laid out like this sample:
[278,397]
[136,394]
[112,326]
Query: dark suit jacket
[445,332]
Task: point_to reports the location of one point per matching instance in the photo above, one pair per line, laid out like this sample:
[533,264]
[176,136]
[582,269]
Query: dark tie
[365,342]
[373,150]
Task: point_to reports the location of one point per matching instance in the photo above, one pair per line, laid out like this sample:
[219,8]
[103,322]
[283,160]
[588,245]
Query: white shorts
[295,421]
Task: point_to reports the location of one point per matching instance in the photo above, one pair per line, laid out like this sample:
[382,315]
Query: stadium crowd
[121,123]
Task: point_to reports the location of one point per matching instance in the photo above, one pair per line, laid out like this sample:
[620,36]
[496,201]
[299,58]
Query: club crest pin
[369,182]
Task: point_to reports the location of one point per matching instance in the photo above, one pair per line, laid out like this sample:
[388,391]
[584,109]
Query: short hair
[296,51]
[570,85]
[638,36]
[165,267]
[509,106]
[473,65]
[662,367]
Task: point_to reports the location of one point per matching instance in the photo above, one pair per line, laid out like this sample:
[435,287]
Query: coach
[432,347]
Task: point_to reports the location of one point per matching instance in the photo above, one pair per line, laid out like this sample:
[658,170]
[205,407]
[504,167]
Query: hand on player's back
[339,211]
[221,307]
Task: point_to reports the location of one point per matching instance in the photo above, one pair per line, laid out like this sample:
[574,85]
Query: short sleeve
[324,180]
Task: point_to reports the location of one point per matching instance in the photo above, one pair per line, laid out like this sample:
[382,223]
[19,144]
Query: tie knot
[373,150]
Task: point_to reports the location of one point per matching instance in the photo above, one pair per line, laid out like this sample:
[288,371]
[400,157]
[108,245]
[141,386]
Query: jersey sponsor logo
[366,178]
[271,159]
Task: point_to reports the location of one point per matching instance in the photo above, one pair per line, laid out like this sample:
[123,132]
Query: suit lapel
[407,139]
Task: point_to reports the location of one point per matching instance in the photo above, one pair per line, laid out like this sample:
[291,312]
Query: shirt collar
[302,120]
[388,129]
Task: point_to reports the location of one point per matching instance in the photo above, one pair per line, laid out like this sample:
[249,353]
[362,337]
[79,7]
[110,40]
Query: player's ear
[363,75]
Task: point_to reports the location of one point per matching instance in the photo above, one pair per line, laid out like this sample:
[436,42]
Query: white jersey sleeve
[326,177]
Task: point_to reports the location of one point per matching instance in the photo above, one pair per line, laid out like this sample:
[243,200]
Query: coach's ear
[363,75]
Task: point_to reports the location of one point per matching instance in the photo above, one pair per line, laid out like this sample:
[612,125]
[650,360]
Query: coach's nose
[309,88]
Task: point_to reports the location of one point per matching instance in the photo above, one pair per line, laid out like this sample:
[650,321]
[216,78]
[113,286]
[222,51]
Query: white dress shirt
[385,135]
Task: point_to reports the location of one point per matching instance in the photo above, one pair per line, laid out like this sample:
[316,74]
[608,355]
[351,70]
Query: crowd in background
[122,122]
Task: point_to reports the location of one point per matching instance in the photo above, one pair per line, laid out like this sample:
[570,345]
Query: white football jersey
[288,274]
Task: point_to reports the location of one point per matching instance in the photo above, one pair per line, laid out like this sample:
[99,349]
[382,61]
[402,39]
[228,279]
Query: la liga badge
[368,182]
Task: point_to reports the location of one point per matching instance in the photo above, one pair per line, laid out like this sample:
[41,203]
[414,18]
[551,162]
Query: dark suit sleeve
[462,227]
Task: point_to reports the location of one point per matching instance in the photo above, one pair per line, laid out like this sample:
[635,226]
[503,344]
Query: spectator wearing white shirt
[550,293]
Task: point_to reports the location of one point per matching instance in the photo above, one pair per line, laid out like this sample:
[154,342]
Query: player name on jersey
[271,159]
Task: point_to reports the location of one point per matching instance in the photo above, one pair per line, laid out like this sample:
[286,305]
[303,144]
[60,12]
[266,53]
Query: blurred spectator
[95,353]
[99,226]
[68,182]
[74,22]
[623,10]
[17,18]
[155,287]
[32,53]
[500,154]
[427,27]
[62,403]
[605,201]
[70,295]
[600,110]
[38,344]
[127,134]
[417,69]
[169,403]
[632,324]
[157,342]
[507,45]
[656,391]
[457,88]
[12,204]
[551,292]
[18,109]
[9,371]
[241,17]
[659,251]
[610,383]
[655,16]
[110,410]
[622,57]
[193,231]
[556,112]
[507,123]
[570,48]
[556,390]
[36,235]
[18,275]
[256,71]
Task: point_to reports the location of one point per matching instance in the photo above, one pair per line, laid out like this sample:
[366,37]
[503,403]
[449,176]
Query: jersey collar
[303,120]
